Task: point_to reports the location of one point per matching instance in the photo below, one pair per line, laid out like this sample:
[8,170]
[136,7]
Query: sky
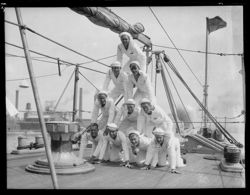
[186,27]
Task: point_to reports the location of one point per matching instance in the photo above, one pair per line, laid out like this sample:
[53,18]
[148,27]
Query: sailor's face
[134,69]
[102,99]
[134,139]
[130,108]
[125,40]
[116,70]
[94,131]
[159,139]
[113,134]
[146,108]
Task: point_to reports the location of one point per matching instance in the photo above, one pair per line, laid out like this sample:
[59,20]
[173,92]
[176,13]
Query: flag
[215,23]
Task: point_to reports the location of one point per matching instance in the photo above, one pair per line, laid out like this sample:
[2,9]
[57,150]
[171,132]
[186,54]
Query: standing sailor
[138,145]
[119,79]
[141,81]
[132,50]
[164,144]
[127,116]
[107,107]
[153,116]
[113,144]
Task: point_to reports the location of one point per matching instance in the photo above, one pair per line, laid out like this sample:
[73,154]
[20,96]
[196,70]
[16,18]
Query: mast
[75,93]
[80,104]
[205,94]
[36,96]
[244,86]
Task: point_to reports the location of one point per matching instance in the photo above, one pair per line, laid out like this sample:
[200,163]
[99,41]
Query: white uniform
[140,157]
[144,88]
[111,148]
[158,118]
[134,53]
[119,84]
[124,120]
[108,113]
[96,144]
[156,154]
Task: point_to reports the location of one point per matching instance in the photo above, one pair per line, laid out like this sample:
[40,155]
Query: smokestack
[17,98]
[80,104]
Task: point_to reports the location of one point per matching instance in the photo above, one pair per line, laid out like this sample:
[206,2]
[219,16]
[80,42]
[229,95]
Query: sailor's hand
[106,131]
[75,138]
[93,159]
[146,167]
[174,171]
[128,165]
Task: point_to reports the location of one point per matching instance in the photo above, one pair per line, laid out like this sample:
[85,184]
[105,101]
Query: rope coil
[232,154]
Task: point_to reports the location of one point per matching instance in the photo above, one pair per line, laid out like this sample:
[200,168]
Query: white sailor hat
[115,64]
[126,34]
[112,127]
[102,93]
[135,62]
[133,131]
[130,101]
[158,131]
[145,100]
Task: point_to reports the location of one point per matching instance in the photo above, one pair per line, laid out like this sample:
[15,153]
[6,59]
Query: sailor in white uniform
[132,50]
[153,116]
[119,79]
[127,116]
[92,134]
[141,81]
[138,145]
[113,144]
[107,107]
[162,145]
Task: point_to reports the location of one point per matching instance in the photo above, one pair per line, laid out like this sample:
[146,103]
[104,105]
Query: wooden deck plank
[199,173]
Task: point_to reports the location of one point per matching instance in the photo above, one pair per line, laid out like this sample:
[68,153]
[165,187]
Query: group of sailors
[139,133]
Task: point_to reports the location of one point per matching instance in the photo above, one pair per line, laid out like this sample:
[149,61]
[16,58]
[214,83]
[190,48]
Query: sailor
[107,107]
[138,145]
[113,145]
[127,116]
[164,144]
[132,50]
[119,79]
[91,133]
[141,81]
[152,116]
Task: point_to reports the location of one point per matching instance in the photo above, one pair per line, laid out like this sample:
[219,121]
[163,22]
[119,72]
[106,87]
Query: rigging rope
[189,50]
[63,61]
[177,92]
[97,60]
[170,100]
[41,76]
[176,48]
[229,137]
[33,31]
[88,81]
[63,91]
[33,58]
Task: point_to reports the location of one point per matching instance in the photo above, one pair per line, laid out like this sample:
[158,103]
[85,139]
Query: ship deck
[199,173]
